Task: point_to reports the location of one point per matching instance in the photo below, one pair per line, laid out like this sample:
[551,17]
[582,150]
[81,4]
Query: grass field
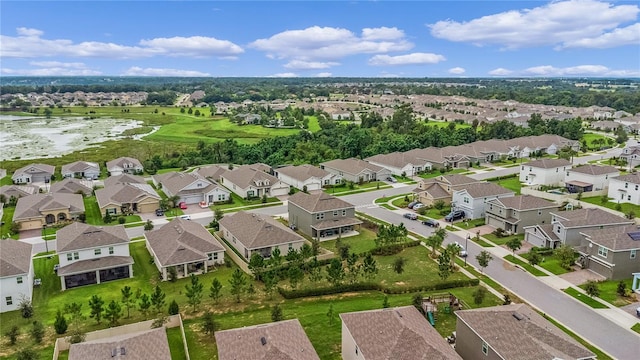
[585,298]
[503,240]
[636,327]
[174,335]
[624,207]
[358,244]
[590,137]
[551,263]
[7,217]
[511,183]
[608,292]
[437,173]
[444,124]
[94,217]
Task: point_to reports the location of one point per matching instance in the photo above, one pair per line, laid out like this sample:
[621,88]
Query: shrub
[173,308]
[122,220]
[26,308]
[60,325]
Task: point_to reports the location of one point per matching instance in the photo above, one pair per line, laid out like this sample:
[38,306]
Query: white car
[463,251]
[418,206]
[185,217]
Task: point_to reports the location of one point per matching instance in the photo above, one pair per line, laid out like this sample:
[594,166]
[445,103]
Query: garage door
[279,191]
[148,208]
[30,225]
[534,239]
[192,199]
[495,222]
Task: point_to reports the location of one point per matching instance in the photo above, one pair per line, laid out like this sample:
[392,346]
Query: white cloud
[284,75]
[324,74]
[629,35]
[564,23]
[53,71]
[138,71]
[51,64]
[500,72]
[457,71]
[327,43]
[29,43]
[306,65]
[409,59]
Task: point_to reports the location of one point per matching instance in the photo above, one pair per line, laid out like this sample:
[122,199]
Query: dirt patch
[508,266]
[401,283]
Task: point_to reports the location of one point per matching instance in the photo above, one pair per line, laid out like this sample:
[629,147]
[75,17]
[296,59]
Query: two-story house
[612,252]
[441,188]
[35,211]
[92,255]
[192,188]
[513,331]
[625,188]
[566,226]
[513,214]
[473,198]
[307,177]
[631,154]
[33,173]
[124,165]
[249,181]
[16,274]
[81,170]
[589,177]
[252,233]
[127,198]
[355,170]
[321,215]
[544,171]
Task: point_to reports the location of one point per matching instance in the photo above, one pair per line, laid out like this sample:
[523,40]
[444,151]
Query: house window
[567,173]
[626,185]
[220,197]
[557,169]
[335,213]
[356,350]
[250,193]
[319,216]
[111,250]
[199,184]
[632,254]
[344,212]
[490,207]
[636,187]
[19,279]
[215,256]
[112,211]
[602,251]
[485,348]
[326,182]
[97,252]
[76,256]
[539,212]
[209,257]
[69,257]
[466,200]
[522,168]
[9,300]
[290,246]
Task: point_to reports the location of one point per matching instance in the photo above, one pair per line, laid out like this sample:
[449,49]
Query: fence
[229,251]
[559,198]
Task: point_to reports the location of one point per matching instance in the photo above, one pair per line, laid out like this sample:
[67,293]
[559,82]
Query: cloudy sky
[321,38]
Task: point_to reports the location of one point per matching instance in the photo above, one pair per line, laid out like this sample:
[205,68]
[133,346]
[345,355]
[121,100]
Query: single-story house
[124,165]
[127,198]
[248,181]
[441,188]
[611,252]
[145,344]
[124,179]
[191,188]
[72,186]
[35,211]
[81,170]
[33,173]
[212,172]
[355,170]
[16,274]
[307,177]
[18,191]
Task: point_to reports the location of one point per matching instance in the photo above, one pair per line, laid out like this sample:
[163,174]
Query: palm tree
[174,200]
[435,242]
[452,249]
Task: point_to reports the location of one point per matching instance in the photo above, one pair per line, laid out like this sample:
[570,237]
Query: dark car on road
[431,223]
[411,216]
[159,212]
[454,215]
[412,204]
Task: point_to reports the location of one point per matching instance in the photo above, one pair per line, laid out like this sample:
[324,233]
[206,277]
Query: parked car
[462,252]
[412,204]
[185,217]
[182,205]
[418,206]
[392,179]
[431,223]
[411,216]
[454,215]
[159,212]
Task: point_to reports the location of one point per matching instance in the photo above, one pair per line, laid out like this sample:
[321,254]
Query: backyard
[511,183]
[94,217]
[624,206]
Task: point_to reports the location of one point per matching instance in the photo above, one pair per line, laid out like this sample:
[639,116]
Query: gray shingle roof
[124,179]
[18,191]
[352,165]
[484,189]
[15,257]
[457,179]
[283,340]
[615,239]
[548,163]
[105,262]
[72,186]
[589,217]
[80,166]
[32,206]
[318,202]
[49,169]
[125,193]
[633,178]
[258,231]
[78,236]
[212,171]
[182,241]
[594,169]
[122,161]
[525,202]
[243,176]
[401,333]
[532,338]
[143,345]
[303,172]
[175,182]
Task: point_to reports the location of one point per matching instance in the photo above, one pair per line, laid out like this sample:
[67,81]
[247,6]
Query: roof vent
[518,316]
[123,351]
[263,340]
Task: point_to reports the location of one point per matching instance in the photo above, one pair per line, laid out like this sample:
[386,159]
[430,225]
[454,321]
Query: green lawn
[503,240]
[444,124]
[176,346]
[314,126]
[6,180]
[590,137]
[608,292]
[358,244]
[636,327]
[524,265]
[585,298]
[343,189]
[511,183]
[94,217]
[624,207]
[7,217]
[237,201]
[436,173]
[551,263]
[470,224]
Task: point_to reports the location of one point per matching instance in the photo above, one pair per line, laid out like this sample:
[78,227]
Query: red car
[183,205]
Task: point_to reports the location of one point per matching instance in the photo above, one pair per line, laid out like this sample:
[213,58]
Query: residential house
[566,226]
[33,173]
[320,215]
[16,274]
[123,199]
[625,188]
[608,125]
[408,163]
[612,253]
[631,154]
[249,233]
[124,179]
[544,171]
[73,186]
[92,254]
[282,340]
[145,344]
[392,333]
[513,331]
[212,172]
[18,191]
[81,170]
[250,182]
[513,214]
[192,188]
[124,165]
[585,178]
[441,188]
[185,246]
[473,198]
[355,170]
[38,210]
[306,177]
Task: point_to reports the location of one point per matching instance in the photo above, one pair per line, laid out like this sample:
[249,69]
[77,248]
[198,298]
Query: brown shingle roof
[243,176]
[49,169]
[212,171]
[143,345]
[121,161]
[589,217]
[124,193]
[303,172]
[175,182]
[396,333]
[182,241]
[31,206]
[79,166]
[633,178]
[18,191]
[72,186]
[615,238]
[124,179]
[594,169]
[525,202]
[78,236]
[484,189]
[531,338]
[319,202]
[548,163]
[257,231]
[283,340]
[15,257]
[351,165]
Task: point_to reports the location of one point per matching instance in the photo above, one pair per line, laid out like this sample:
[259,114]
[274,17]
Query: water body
[30,138]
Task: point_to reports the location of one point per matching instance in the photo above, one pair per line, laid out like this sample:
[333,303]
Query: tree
[353,267]
[157,299]
[270,282]
[276,257]
[622,288]
[295,276]
[60,324]
[534,257]
[435,241]
[96,305]
[144,305]
[193,291]
[127,299]
[335,272]
[174,309]
[591,288]
[256,265]
[148,226]
[209,325]
[630,215]
[385,302]
[604,198]
[444,266]
[26,308]
[37,332]
[514,244]
[398,265]
[479,295]
[276,313]
[27,354]
[452,249]
[238,282]
[75,310]
[172,273]
[113,313]
[369,267]
[174,200]
[12,334]
[215,291]
[483,259]
[566,255]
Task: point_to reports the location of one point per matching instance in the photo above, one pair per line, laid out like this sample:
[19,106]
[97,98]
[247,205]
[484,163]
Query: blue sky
[321,38]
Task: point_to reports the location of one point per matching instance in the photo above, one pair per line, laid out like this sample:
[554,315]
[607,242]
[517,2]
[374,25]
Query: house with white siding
[356,170]
[307,177]
[124,165]
[81,170]
[473,198]
[33,173]
[625,188]
[192,188]
[16,274]
[544,171]
[250,181]
[589,177]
